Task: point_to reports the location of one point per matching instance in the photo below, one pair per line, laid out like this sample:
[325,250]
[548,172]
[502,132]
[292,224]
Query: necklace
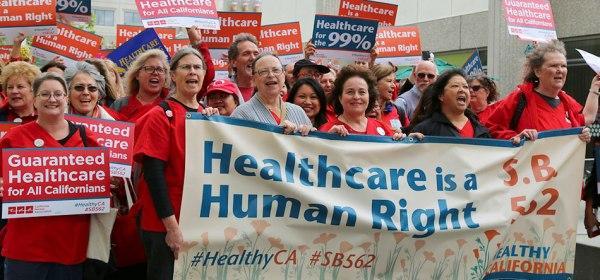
[282,109]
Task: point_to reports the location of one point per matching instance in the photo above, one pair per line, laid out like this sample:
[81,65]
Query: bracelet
[597,93]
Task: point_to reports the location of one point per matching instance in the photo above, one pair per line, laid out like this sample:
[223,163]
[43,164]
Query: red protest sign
[5,53]
[383,12]
[285,39]
[400,45]
[6,126]
[71,43]
[35,16]
[169,13]
[50,182]
[232,23]
[126,32]
[530,19]
[116,136]
[174,45]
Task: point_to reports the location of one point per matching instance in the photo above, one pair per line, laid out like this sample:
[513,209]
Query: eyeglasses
[265,72]
[152,69]
[188,67]
[90,88]
[58,95]
[422,76]
[475,88]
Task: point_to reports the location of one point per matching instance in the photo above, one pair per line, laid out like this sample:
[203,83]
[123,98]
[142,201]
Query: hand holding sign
[195,35]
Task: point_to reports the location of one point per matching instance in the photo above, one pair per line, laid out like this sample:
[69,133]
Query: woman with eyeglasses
[16,80]
[267,105]
[354,95]
[51,247]
[147,79]
[86,90]
[161,153]
[483,96]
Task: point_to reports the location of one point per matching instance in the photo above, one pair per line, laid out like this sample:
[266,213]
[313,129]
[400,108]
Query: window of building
[104,17]
[580,74]
[131,18]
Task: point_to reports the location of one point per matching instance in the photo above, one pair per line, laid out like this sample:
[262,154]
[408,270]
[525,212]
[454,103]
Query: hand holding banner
[343,37]
[51,182]
[432,210]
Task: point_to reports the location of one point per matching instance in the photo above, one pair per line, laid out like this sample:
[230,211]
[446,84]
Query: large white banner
[259,204]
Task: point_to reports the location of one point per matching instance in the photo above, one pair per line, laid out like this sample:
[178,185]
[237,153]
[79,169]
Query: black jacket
[439,125]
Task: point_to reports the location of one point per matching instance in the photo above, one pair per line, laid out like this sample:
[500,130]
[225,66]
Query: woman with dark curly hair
[354,94]
[443,111]
[309,95]
[484,94]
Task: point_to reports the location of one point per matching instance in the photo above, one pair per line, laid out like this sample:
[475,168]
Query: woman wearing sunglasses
[483,96]
[86,90]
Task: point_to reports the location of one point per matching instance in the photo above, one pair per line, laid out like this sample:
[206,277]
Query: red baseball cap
[223,85]
[226,86]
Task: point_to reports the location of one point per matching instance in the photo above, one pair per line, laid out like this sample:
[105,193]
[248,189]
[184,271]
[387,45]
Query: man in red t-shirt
[241,54]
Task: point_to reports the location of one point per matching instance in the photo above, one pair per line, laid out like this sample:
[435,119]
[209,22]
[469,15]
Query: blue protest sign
[343,37]
[124,55]
[75,10]
[473,65]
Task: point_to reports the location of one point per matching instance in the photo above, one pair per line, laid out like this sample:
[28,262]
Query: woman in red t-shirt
[161,151]
[484,94]
[353,95]
[53,247]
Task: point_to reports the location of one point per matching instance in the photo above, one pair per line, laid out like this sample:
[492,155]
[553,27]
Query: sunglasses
[81,88]
[423,75]
[475,88]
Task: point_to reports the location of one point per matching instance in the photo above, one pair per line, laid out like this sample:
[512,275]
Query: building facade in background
[452,29]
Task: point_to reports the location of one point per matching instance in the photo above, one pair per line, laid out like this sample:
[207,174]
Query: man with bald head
[424,74]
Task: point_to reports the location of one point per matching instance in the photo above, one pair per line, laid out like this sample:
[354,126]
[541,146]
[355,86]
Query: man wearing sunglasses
[424,74]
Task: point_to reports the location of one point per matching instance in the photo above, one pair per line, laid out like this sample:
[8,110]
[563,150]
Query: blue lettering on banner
[246,257]
[349,34]
[385,214]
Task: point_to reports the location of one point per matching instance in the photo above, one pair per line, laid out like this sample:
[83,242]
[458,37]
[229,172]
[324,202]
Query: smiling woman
[86,90]
[443,111]
[266,105]
[36,247]
[17,79]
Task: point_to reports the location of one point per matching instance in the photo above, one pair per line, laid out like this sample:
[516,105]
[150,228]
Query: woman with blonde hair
[17,83]
[146,84]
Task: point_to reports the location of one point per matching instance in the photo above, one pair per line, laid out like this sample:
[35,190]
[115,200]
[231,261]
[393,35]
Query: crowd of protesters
[301,97]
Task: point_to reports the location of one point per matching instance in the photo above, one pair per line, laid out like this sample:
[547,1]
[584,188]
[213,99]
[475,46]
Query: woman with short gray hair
[86,90]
